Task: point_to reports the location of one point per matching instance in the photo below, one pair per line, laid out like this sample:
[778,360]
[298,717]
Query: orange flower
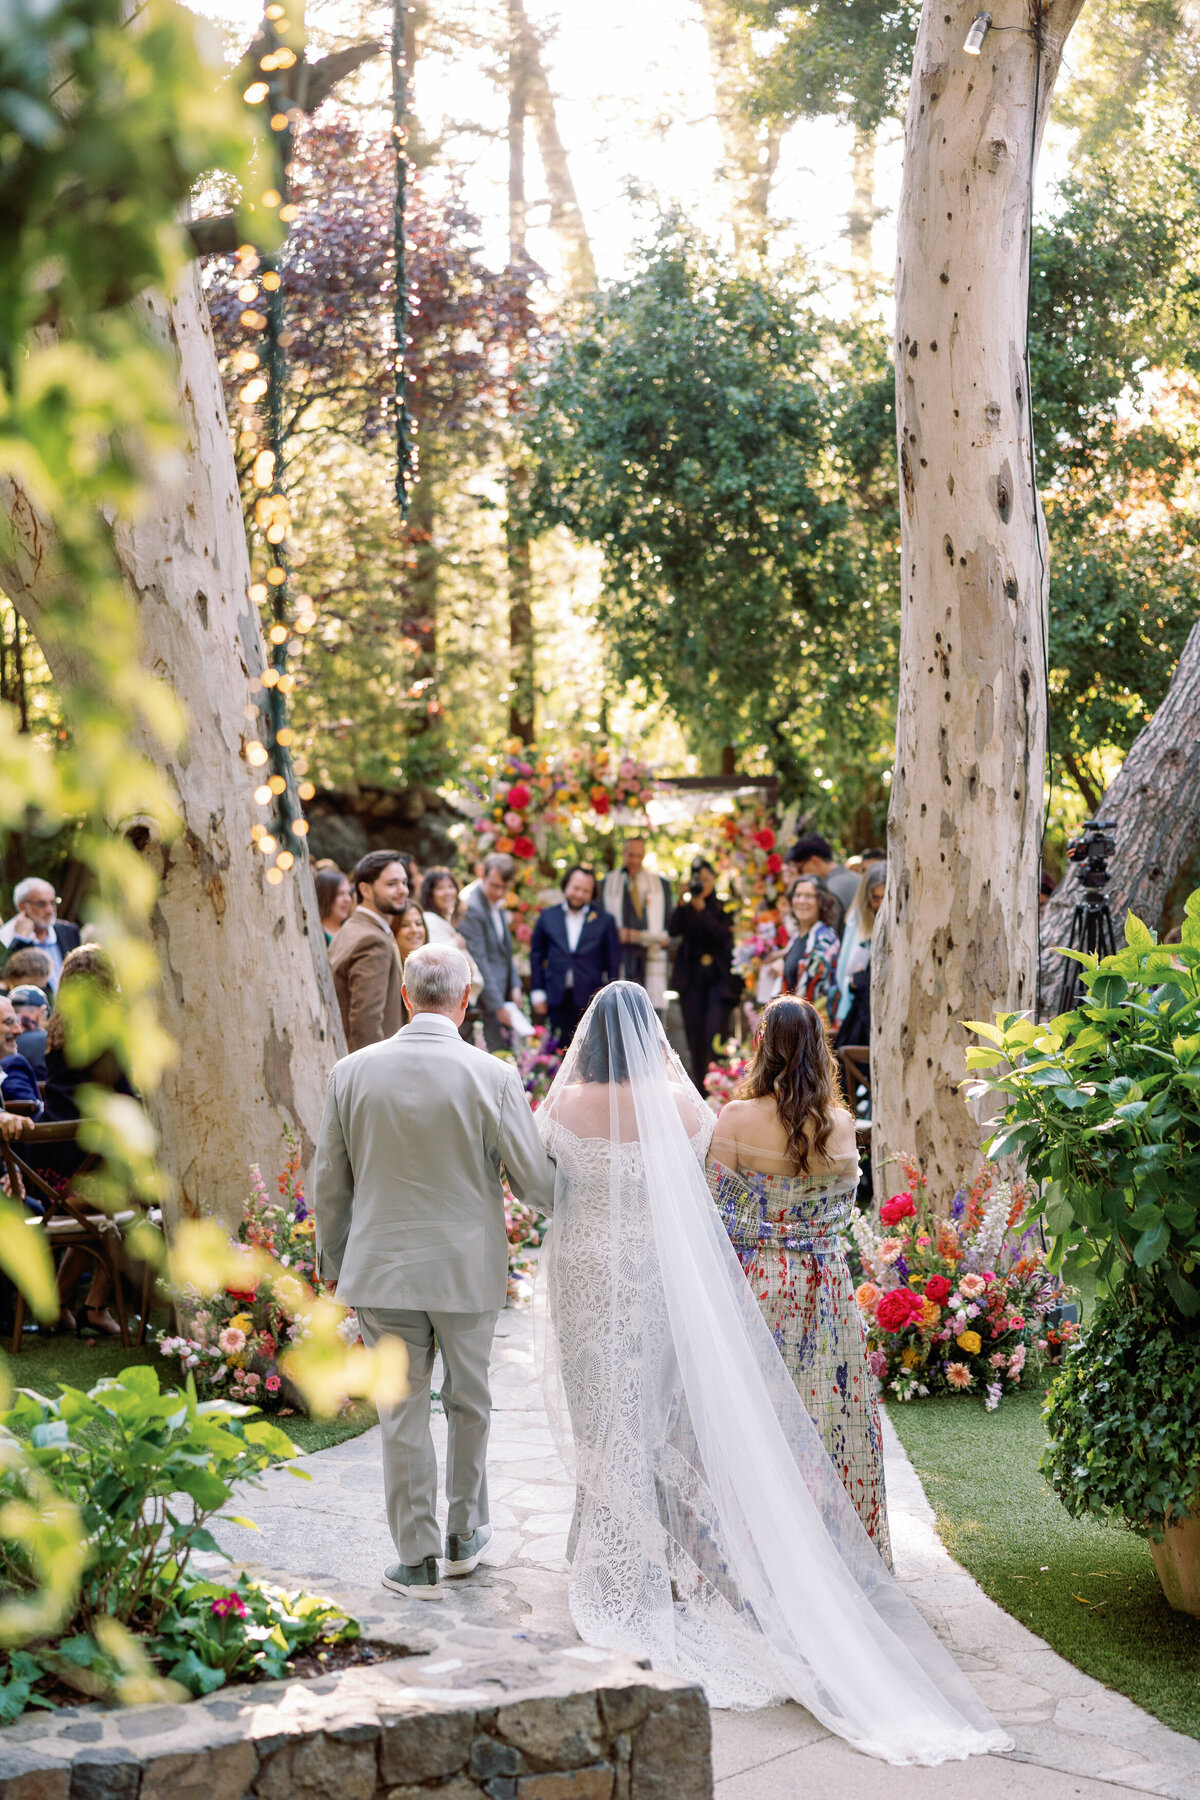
[931,1312]
[867,1295]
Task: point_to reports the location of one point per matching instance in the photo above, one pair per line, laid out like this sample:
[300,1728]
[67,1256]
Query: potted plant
[1103,1106]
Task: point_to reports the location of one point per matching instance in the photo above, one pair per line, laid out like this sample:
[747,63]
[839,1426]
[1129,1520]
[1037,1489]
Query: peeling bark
[1154,802]
[247,992]
[958,935]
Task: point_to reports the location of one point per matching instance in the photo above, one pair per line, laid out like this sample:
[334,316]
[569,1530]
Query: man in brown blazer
[363,954]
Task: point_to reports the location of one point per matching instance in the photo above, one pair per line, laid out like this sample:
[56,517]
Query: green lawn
[46,1363]
[1089,1590]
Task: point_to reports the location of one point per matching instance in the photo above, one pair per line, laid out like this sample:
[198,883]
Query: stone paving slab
[1075,1739]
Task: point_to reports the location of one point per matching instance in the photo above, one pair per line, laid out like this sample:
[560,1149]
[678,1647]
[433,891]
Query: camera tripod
[1091,922]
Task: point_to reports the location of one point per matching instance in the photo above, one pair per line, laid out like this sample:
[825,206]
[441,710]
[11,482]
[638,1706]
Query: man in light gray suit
[410,1221]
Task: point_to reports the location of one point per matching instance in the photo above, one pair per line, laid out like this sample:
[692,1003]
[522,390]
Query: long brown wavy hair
[793,1066]
[88,963]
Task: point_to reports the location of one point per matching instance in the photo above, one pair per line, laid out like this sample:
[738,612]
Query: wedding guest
[443,911]
[703,965]
[18,1079]
[334,900]
[410,932]
[28,968]
[783,1170]
[363,955]
[33,1011]
[639,902]
[575,950]
[813,855]
[852,1009]
[66,1074]
[811,960]
[489,940]
[35,922]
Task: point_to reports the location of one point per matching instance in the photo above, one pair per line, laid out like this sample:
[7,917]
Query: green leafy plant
[144,1472]
[1103,1106]
[1124,1420]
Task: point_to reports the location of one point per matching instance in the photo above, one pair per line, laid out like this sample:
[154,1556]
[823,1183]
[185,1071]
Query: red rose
[937,1289]
[765,839]
[900,1206]
[524,846]
[774,864]
[519,797]
[898,1308]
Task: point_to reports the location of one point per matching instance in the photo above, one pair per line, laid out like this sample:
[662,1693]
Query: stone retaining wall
[505,1714]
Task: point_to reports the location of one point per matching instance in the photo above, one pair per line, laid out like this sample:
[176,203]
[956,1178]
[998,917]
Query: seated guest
[36,924]
[33,1011]
[28,968]
[810,964]
[334,900]
[363,955]
[18,1080]
[65,1075]
[575,950]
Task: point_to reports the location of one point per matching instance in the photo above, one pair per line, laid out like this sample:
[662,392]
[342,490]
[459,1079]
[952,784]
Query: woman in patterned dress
[783,1170]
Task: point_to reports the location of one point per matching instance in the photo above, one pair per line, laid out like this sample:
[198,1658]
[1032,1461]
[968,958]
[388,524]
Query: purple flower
[958,1205]
[901,1268]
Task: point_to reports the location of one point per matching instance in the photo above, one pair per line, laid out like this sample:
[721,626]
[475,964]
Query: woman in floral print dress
[783,1170]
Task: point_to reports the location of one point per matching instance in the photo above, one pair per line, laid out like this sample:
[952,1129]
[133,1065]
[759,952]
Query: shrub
[1124,1420]
[147,1472]
[1103,1106]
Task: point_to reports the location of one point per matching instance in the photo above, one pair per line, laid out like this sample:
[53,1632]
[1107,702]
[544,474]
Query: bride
[712,1534]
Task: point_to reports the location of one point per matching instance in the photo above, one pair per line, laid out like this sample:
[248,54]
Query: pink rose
[898,1308]
[900,1206]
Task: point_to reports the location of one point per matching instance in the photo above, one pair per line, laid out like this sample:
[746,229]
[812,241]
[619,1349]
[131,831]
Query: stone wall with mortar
[464,1712]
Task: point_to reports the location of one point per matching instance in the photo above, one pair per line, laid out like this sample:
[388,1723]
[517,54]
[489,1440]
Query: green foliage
[1124,1420]
[705,430]
[851,58]
[1103,1106]
[145,1472]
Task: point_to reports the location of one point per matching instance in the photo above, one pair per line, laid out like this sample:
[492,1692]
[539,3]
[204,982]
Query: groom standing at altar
[641,904]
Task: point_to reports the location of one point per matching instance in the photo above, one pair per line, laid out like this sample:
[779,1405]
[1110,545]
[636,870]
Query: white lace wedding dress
[711,1533]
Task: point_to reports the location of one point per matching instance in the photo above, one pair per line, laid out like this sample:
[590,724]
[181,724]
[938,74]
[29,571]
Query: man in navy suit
[575,950]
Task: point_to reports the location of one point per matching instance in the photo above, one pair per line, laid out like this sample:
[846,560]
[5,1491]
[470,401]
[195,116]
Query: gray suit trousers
[409,1459]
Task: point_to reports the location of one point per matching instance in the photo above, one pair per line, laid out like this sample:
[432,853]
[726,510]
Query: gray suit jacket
[495,958]
[406,1182]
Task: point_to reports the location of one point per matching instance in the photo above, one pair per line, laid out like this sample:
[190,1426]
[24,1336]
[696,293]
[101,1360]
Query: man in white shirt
[574,952]
[640,903]
[36,924]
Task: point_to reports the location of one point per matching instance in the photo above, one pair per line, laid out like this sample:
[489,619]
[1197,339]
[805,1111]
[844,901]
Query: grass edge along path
[45,1363]
[1089,1590]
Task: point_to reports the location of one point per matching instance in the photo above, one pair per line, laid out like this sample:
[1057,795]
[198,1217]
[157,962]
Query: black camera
[1092,848]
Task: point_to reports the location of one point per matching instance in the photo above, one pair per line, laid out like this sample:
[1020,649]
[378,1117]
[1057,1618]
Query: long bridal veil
[711,1531]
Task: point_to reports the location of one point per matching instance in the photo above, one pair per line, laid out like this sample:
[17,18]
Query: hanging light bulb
[980,26]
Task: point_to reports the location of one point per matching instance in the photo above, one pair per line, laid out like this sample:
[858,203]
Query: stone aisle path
[1075,1739]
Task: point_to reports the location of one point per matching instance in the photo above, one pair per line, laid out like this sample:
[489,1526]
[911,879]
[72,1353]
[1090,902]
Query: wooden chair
[70,1223]
[856,1071]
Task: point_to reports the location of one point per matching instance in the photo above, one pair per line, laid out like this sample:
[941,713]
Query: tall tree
[751,146]
[958,934]
[522,665]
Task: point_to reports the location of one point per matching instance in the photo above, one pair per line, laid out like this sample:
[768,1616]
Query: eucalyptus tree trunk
[751,150]
[522,666]
[1154,804]
[566,215]
[958,935]
[246,993]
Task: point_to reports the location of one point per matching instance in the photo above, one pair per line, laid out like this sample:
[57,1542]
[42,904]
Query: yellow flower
[911,1358]
[931,1312]
[305,1227]
[243,1321]
[970,1341]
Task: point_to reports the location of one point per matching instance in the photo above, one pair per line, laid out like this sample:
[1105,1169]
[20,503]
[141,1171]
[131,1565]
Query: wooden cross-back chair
[70,1222]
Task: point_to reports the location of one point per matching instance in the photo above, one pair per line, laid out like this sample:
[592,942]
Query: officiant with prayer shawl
[640,902]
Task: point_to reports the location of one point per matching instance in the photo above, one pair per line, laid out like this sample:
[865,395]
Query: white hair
[24,889]
[436,976]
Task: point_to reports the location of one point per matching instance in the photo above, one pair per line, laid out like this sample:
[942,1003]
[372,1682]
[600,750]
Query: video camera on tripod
[1091,923]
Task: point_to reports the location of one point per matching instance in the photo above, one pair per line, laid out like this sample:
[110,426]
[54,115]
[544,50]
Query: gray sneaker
[416,1581]
[463,1552]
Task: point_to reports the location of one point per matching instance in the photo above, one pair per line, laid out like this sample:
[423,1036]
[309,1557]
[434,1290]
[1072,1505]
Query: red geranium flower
[765,839]
[898,1308]
[774,864]
[524,846]
[937,1289]
[519,797]
[900,1206]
